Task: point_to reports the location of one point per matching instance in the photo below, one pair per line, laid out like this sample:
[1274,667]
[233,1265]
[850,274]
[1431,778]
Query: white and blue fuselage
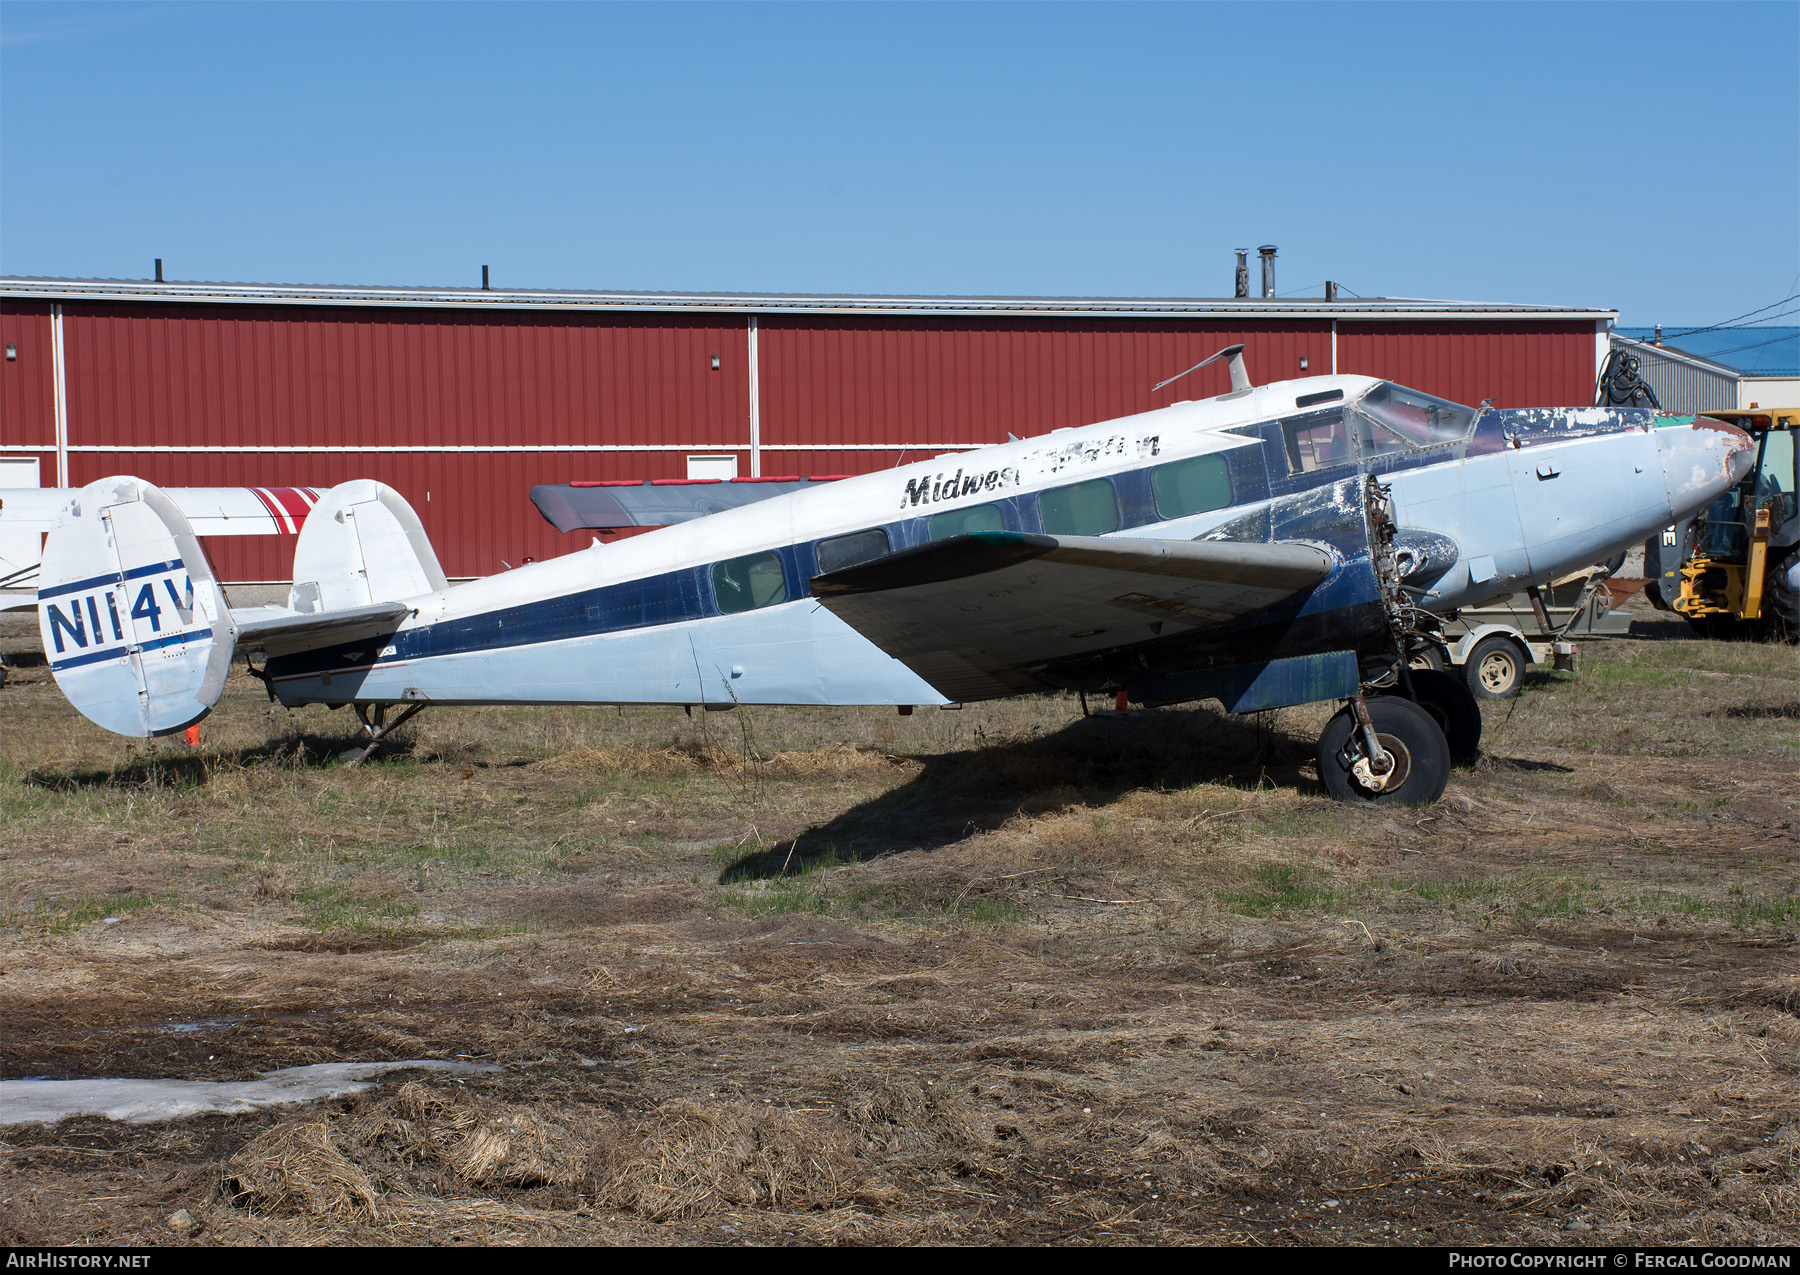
[719,610]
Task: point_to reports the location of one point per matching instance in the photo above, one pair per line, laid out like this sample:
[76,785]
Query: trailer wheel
[1426,655]
[1407,734]
[1495,669]
[1448,700]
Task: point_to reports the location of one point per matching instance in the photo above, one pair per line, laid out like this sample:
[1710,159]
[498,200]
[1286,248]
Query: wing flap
[976,616]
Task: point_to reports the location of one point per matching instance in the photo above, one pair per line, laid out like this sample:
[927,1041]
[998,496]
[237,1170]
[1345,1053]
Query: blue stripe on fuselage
[1303,509]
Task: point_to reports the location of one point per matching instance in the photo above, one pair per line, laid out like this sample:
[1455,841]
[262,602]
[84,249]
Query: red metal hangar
[464,399]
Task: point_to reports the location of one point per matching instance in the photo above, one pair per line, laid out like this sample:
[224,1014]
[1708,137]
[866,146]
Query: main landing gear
[1384,749]
[1389,748]
[1396,741]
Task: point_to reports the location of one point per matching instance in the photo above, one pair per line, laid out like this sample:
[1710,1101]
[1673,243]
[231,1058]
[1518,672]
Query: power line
[1734,320]
[1754,345]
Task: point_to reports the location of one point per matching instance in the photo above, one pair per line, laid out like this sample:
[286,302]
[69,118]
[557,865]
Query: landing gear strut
[380,728]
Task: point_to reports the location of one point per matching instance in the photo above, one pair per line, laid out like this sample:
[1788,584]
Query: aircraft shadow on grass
[1093,761]
[164,768]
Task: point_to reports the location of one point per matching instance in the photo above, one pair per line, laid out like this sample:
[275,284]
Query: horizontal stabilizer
[279,631]
[977,615]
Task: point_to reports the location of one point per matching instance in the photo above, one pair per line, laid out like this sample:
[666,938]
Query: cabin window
[743,584]
[1084,509]
[1318,440]
[963,521]
[1392,418]
[840,552]
[1191,486]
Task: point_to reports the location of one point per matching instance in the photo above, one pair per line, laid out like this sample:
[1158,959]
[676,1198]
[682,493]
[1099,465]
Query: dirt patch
[1004,975]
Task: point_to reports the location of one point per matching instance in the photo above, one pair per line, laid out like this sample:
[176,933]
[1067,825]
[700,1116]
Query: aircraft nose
[1701,460]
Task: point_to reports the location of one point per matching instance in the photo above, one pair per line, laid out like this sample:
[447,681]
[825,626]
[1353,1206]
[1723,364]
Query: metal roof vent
[1267,252]
[1243,275]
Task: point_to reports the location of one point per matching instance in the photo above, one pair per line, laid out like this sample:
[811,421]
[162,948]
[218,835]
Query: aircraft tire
[1495,669]
[1453,706]
[1408,734]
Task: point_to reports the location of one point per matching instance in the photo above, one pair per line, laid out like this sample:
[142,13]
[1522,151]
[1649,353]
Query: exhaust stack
[1243,275]
[1267,252]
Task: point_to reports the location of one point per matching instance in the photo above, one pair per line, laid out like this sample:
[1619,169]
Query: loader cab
[1772,485]
[1725,579]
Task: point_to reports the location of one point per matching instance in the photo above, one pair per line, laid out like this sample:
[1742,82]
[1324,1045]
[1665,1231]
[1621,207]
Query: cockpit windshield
[1396,419]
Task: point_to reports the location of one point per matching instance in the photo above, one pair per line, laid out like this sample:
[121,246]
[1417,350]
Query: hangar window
[743,584]
[1318,440]
[964,521]
[840,552]
[1392,418]
[1191,486]
[1082,509]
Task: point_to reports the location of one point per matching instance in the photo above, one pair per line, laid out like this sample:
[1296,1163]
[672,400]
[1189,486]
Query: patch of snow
[147,1101]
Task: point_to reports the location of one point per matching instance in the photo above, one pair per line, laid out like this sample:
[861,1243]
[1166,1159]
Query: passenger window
[1191,486]
[743,584]
[1084,509]
[849,551]
[1318,440]
[964,521]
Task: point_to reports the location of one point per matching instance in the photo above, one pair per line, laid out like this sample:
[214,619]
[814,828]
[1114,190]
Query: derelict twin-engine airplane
[1271,546]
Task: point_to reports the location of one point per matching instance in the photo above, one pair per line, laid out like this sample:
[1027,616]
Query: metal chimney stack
[1243,275]
[1267,253]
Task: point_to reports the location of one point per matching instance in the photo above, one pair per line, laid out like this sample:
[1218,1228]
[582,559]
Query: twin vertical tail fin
[362,544]
[134,624]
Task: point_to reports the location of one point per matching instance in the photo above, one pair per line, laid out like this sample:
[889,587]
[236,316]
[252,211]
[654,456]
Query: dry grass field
[991,976]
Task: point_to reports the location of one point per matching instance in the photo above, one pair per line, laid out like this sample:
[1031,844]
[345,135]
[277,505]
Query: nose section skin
[1570,487]
[1701,459]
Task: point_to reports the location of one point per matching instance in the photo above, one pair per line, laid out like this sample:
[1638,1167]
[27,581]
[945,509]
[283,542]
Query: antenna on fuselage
[1240,379]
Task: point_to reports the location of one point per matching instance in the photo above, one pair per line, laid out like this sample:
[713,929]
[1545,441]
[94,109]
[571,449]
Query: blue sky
[1644,157]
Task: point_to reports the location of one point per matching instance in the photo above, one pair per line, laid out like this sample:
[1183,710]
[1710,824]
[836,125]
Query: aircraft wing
[659,502]
[976,615]
[279,631]
[210,511]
